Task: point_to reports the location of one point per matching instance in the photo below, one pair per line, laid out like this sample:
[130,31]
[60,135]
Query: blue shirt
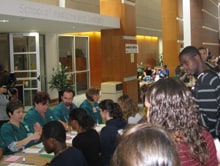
[33,116]
[61,112]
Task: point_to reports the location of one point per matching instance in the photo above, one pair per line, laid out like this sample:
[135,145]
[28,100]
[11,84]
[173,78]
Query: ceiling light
[4,21]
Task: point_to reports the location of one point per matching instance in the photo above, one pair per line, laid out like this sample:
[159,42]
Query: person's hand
[37,128]
[36,136]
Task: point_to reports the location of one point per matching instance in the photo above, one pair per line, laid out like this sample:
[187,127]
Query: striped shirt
[207,96]
[188,159]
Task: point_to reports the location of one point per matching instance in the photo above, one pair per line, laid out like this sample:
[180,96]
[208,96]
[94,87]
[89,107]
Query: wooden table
[31,159]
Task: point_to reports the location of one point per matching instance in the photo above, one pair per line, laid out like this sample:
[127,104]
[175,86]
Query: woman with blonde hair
[171,106]
[129,109]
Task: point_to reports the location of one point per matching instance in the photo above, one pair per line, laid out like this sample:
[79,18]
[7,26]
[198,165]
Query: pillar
[117,65]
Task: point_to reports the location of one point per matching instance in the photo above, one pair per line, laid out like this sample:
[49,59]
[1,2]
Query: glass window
[74,53]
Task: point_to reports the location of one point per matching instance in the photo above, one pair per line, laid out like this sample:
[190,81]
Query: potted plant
[60,79]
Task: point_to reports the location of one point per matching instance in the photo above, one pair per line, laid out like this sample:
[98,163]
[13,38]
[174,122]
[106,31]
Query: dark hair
[172,106]
[83,119]
[68,90]
[54,129]
[113,108]
[178,69]
[146,145]
[202,48]
[41,97]
[190,51]
[4,78]
[91,92]
[13,105]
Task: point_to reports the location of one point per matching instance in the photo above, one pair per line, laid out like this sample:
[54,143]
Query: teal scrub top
[3,146]
[11,133]
[61,112]
[92,108]
[33,116]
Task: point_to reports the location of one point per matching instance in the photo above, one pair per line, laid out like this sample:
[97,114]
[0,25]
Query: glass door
[25,63]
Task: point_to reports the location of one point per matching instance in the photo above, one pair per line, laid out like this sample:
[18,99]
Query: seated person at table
[54,141]
[39,112]
[145,145]
[87,140]
[15,133]
[90,104]
[111,113]
[62,110]
[129,110]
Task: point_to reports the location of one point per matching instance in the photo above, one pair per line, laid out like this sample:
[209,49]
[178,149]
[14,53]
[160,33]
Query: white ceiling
[148,20]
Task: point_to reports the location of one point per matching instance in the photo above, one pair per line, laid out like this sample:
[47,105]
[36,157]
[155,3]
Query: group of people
[24,130]
[150,74]
[180,126]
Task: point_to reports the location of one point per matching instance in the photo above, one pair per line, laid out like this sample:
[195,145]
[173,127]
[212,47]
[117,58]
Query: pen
[23,154]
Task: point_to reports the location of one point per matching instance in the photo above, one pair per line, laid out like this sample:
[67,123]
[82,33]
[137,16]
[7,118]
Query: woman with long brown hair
[171,105]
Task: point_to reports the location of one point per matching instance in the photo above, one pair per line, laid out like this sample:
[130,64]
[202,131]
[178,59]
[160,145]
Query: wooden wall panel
[205,14]
[116,64]
[148,51]
[95,60]
[170,34]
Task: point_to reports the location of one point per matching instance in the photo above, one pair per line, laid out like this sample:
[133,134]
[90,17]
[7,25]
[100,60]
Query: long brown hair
[172,107]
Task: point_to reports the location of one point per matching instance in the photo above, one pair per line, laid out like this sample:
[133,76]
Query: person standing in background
[4,97]
[171,105]
[205,57]
[206,90]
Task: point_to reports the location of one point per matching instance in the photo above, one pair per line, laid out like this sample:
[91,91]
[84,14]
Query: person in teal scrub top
[62,110]
[40,112]
[91,104]
[15,133]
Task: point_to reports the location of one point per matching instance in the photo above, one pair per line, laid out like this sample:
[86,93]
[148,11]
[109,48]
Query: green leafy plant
[60,79]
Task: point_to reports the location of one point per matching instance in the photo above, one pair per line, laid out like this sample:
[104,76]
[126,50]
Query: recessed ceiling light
[4,21]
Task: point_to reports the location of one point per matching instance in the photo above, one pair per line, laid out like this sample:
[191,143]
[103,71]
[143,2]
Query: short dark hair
[202,48]
[81,116]
[54,129]
[4,78]
[68,90]
[190,51]
[41,97]
[13,105]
